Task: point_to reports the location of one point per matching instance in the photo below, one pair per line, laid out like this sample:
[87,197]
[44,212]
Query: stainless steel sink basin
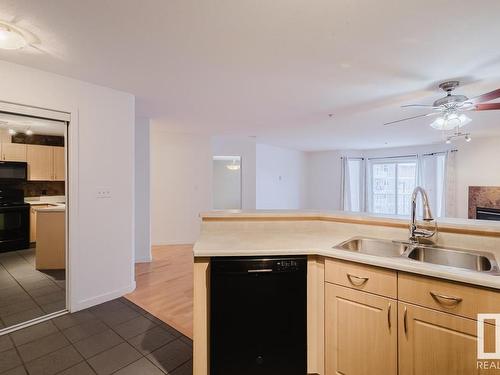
[469,260]
[383,248]
[458,258]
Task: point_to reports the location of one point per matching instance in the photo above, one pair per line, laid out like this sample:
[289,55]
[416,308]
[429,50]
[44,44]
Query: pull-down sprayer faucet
[415,233]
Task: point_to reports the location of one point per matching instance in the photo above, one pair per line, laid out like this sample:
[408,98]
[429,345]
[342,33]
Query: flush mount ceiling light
[450,120]
[233,166]
[12,132]
[11,37]
[29,132]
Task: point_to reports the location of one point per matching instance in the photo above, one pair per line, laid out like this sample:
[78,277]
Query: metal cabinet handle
[360,280]
[405,321]
[263,270]
[442,298]
[389,315]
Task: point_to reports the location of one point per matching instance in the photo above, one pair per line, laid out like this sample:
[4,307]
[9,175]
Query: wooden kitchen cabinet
[33,209]
[40,163]
[14,152]
[360,332]
[434,342]
[59,163]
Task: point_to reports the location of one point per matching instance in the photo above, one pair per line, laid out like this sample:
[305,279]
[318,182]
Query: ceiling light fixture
[12,132]
[458,134]
[11,38]
[29,132]
[233,166]
[450,120]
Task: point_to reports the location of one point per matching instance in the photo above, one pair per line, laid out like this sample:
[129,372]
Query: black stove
[14,220]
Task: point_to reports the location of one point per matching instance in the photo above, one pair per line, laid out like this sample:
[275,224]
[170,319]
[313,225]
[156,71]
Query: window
[391,185]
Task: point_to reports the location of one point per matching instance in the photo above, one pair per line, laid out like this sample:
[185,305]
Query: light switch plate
[103,193]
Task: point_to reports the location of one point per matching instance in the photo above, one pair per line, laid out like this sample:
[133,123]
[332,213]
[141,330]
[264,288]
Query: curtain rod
[412,155]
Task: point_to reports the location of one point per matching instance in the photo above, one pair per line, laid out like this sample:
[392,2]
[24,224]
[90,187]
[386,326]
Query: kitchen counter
[316,233]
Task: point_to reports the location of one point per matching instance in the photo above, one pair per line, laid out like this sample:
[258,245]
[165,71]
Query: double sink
[477,261]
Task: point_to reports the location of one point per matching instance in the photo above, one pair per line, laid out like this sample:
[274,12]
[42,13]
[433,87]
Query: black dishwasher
[258,311]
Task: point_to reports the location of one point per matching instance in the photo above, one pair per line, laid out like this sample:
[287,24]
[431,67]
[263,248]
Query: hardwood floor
[165,286]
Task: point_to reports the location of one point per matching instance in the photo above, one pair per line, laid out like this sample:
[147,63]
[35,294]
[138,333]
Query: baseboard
[144,259]
[166,243]
[86,303]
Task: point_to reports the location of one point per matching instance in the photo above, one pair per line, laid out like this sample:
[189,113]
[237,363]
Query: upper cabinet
[14,152]
[40,163]
[59,164]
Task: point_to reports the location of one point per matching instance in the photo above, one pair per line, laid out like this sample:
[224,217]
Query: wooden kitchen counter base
[51,239]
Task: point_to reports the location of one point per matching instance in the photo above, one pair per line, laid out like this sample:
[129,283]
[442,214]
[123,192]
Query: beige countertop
[277,233]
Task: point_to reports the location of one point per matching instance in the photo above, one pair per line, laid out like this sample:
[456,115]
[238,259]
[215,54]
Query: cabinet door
[360,332]
[59,164]
[40,163]
[433,342]
[13,152]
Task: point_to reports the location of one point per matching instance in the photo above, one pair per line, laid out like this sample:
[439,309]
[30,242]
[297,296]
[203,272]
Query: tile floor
[116,337]
[26,293]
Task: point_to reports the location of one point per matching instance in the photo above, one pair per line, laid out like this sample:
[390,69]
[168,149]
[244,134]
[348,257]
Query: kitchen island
[397,288]
[51,237]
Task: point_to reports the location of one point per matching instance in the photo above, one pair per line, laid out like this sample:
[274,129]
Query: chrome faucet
[415,232]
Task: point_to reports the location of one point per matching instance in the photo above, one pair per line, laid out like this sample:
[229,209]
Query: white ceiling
[273,69]
[38,126]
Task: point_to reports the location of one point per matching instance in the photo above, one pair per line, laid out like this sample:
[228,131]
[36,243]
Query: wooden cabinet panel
[59,164]
[40,163]
[33,217]
[360,332]
[432,342]
[13,152]
[447,296]
[362,277]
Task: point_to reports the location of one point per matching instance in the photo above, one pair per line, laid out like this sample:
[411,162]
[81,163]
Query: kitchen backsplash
[40,188]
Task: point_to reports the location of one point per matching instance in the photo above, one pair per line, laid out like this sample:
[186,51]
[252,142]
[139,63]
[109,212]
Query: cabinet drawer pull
[389,315]
[441,298]
[356,280]
[405,321]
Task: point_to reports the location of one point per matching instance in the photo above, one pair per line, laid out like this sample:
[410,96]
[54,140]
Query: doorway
[33,217]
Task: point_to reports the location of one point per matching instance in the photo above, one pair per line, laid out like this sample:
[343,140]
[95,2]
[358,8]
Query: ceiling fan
[451,108]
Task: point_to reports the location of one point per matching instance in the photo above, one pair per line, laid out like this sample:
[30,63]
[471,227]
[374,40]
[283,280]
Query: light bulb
[448,141]
[12,132]
[11,38]
[468,138]
[29,132]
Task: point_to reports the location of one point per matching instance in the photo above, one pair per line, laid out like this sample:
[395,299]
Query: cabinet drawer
[362,277]
[459,299]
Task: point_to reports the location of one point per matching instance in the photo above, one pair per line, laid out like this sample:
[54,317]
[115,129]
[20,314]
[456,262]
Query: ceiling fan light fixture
[11,38]
[450,121]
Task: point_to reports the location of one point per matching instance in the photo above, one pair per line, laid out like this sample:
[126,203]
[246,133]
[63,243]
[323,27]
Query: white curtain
[450,186]
[353,185]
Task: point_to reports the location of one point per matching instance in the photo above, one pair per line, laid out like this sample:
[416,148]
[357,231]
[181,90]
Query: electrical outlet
[103,193]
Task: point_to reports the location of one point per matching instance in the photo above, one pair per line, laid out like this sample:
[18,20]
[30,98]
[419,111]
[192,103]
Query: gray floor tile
[33,333]
[42,346]
[16,371]
[151,340]
[96,344]
[17,307]
[35,284]
[45,299]
[5,343]
[187,341]
[185,369]
[16,298]
[84,330]
[114,359]
[117,316]
[140,367]
[22,316]
[70,320]
[6,291]
[80,369]
[134,327]
[9,360]
[54,306]
[55,362]
[44,290]
[171,356]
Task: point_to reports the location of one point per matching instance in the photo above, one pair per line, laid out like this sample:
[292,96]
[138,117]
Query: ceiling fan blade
[487,107]
[485,97]
[411,118]
[418,105]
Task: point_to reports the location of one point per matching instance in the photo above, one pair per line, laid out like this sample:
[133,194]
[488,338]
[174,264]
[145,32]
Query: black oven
[13,171]
[14,220]
[483,213]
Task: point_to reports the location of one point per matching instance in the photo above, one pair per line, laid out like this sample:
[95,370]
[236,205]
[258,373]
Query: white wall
[281,178]
[142,214]
[323,180]
[477,165]
[101,155]
[181,184]
[246,148]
